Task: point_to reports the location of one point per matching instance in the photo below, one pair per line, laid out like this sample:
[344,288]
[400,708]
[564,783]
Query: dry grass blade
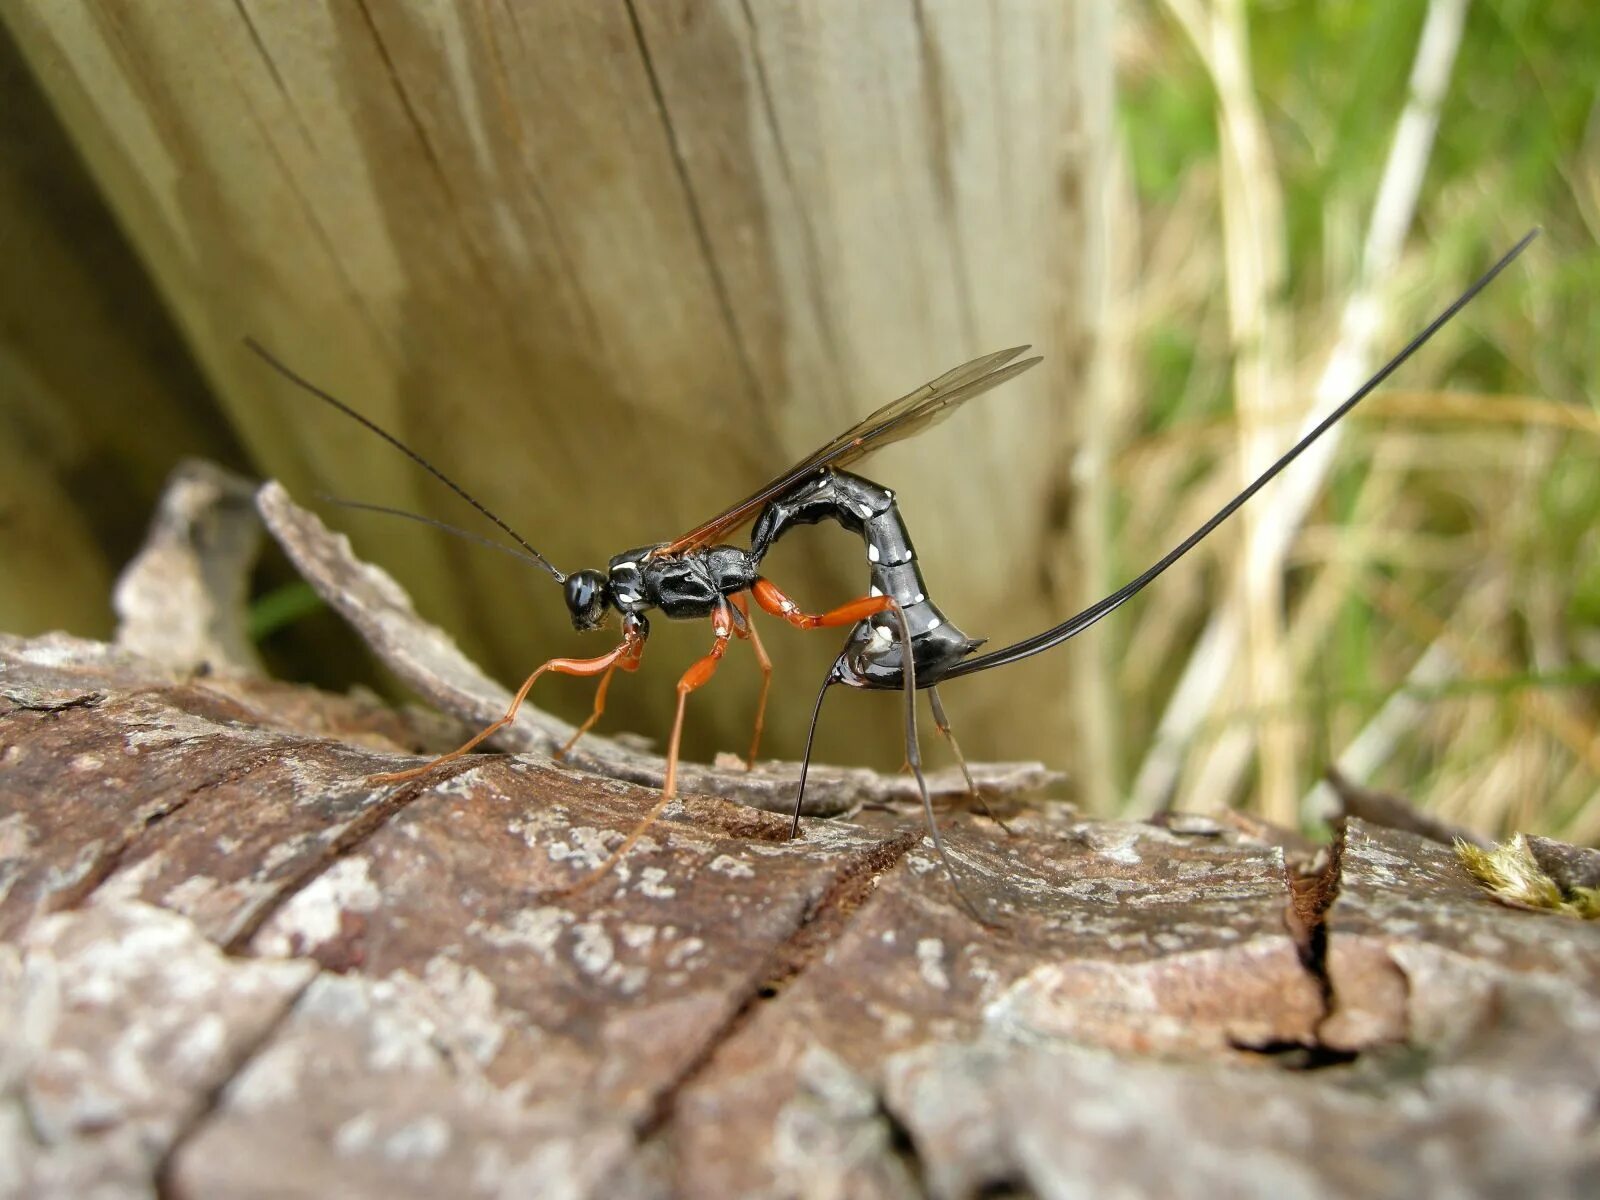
[1514,876]
[1212,661]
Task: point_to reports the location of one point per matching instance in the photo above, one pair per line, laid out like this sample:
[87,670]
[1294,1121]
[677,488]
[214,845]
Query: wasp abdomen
[869,509]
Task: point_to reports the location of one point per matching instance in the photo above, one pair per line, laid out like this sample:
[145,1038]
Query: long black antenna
[278,366]
[465,535]
[1077,623]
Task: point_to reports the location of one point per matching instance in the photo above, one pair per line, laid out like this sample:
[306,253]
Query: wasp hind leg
[942,724]
[771,599]
[914,759]
[775,602]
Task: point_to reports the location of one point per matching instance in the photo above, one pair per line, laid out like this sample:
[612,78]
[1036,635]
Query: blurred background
[611,265]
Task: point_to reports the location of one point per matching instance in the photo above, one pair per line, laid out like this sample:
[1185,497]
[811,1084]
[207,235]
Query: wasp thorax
[587,598]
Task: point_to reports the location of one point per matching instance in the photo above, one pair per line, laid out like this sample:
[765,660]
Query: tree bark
[231,967]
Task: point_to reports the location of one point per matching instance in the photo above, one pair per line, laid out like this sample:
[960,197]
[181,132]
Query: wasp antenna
[1078,622]
[306,385]
[465,535]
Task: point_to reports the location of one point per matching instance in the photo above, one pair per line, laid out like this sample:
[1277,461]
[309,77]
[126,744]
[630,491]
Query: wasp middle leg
[722,623]
[746,629]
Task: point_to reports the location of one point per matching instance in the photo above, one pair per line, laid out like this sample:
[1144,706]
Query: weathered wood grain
[613,263]
[96,399]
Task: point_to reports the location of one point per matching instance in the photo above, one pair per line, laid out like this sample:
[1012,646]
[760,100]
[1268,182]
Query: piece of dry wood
[183,599]
[1394,812]
[228,968]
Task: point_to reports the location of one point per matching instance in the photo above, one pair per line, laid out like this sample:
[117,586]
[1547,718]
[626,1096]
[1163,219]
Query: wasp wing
[895,421]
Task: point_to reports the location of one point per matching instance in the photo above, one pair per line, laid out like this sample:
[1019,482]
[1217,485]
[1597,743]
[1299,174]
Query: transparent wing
[895,421]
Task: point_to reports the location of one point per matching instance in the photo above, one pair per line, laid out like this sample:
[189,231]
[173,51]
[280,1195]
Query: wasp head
[588,596]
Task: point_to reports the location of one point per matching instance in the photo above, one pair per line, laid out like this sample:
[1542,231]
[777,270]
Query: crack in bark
[1322,891]
[832,914]
[820,927]
[903,1146]
[91,699]
[165,1183]
[110,859]
[1310,898]
[361,827]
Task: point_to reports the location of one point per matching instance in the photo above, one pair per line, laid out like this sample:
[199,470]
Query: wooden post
[610,264]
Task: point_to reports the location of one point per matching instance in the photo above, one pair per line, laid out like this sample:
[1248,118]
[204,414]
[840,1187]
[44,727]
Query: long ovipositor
[872,658]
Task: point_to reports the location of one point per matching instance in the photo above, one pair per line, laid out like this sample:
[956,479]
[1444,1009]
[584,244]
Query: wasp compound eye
[586,599]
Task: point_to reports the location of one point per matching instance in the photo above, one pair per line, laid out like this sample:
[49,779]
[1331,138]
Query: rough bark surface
[231,967]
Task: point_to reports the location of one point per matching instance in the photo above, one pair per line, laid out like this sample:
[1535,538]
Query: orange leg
[694,677]
[770,598]
[628,662]
[631,647]
[775,602]
[762,661]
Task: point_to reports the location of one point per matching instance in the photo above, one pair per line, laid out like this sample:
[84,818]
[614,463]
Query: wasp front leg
[635,626]
[629,652]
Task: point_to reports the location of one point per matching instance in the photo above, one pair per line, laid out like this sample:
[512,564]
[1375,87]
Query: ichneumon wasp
[698,576]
